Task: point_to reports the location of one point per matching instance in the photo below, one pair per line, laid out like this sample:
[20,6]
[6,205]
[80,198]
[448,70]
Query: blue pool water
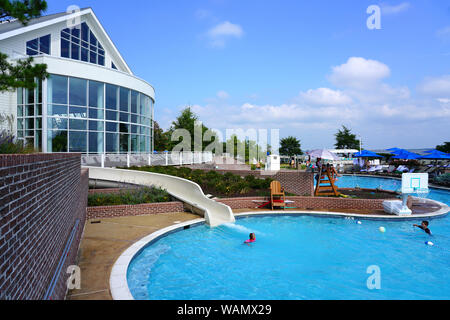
[298,257]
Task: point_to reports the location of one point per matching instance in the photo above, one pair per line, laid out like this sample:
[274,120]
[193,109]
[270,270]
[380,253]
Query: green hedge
[129,197]
[215,183]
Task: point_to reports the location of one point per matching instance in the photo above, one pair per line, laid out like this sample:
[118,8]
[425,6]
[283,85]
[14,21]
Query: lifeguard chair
[326,184]
[277,195]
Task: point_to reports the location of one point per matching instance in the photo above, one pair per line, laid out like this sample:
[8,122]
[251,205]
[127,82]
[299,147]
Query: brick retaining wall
[42,198]
[131,211]
[313,203]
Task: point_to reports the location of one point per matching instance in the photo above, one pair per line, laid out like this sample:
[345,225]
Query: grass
[129,197]
[227,185]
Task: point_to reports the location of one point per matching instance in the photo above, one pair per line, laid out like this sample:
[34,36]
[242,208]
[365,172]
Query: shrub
[444,179]
[129,197]
[9,145]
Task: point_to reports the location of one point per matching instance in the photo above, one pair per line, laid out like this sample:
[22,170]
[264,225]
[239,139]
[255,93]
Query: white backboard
[414,182]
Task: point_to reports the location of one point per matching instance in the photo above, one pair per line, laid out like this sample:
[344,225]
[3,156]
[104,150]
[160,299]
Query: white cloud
[223,31]
[223,95]
[359,73]
[393,9]
[438,87]
[444,33]
[325,96]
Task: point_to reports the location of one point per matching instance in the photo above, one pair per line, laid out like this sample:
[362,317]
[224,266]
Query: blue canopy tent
[436,156]
[366,154]
[435,152]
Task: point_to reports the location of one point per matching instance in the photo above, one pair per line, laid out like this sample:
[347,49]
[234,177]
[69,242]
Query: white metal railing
[140,160]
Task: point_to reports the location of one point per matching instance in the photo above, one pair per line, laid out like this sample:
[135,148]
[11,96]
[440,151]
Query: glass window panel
[75,51]
[100,46]
[92,57]
[124,117]
[78,142]
[44,44]
[55,110]
[76,32]
[78,125]
[96,142]
[96,114]
[39,110]
[111,97]
[57,141]
[20,111]
[111,115]
[113,65]
[30,96]
[78,112]
[124,99]
[96,94]
[93,49]
[134,101]
[124,143]
[57,89]
[93,39]
[142,104]
[31,52]
[101,60]
[85,45]
[84,31]
[57,123]
[101,52]
[39,91]
[112,142]
[84,55]
[134,143]
[20,134]
[38,140]
[134,129]
[29,124]
[19,96]
[111,126]
[29,110]
[65,34]
[134,119]
[95,125]
[20,124]
[142,144]
[124,128]
[65,48]
[39,123]
[78,92]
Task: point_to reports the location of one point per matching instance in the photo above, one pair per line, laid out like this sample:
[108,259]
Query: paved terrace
[106,239]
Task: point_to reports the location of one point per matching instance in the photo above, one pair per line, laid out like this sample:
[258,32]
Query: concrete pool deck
[105,240]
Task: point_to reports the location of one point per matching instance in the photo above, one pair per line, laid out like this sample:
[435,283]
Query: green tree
[189,121]
[346,140]
[22,73]
[444,148]
[290,146]
[162,138]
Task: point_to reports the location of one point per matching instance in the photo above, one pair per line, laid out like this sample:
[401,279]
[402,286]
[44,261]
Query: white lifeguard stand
[412,183]
[273,163]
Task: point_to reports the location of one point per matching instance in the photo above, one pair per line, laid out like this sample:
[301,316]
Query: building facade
[91,102]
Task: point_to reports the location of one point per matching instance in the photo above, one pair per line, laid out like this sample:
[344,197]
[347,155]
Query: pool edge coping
[118,281]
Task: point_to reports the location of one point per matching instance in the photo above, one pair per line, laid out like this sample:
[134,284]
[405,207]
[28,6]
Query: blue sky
[304,67]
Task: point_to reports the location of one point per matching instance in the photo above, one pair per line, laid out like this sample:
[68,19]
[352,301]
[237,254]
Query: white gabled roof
[14,28]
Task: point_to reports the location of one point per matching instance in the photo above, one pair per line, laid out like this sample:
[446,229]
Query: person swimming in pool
[252,239]
[424,226]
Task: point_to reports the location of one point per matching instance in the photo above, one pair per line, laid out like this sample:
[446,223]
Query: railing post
[181,158]
[167,159]
[103,160]
[150,160]
[128,160]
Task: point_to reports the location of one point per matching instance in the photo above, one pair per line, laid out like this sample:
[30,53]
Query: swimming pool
[296,258]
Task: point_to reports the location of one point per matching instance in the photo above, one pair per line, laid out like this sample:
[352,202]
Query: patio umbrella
[366,154]
[407,156]
[435,152]
[323,154]
[436,156]
[397,151]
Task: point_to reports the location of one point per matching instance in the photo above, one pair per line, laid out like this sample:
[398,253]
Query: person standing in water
[424,226]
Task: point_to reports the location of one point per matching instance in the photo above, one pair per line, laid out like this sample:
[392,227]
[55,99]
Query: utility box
[273,163]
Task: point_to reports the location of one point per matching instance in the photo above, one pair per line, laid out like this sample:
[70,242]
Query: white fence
[140,160]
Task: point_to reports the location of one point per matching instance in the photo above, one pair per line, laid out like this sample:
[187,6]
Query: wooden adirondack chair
[277,195]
